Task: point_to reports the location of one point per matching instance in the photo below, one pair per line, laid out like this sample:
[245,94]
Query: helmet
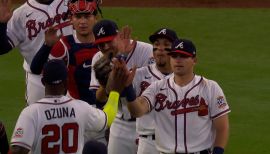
[82,6]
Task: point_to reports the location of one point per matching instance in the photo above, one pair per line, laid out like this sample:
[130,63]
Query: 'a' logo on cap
[181,45]
[163,31]
[101,32]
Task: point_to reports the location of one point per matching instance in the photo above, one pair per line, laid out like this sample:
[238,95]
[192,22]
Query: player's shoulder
[209,83]
[143,46]
[21,11]
[97,56]
[143,70]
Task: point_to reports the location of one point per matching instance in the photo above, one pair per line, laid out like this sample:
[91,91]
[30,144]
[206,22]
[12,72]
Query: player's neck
[165,69]
[183,80]
[86,38]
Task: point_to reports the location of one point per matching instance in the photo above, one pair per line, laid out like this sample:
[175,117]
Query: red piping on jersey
[106,119]
[149,68]
[38,9]
[175,116]
[54,103]
[57,8]
[10,42]
[217,115]
[131,52]
[185,131]
[16,143]
[149,103]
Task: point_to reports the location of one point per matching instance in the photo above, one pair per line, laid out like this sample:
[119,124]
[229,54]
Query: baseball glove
[102,70]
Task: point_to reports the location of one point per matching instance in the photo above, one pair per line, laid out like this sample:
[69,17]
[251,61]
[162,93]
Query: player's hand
[51,36]
[123,40]
[5,11]
[131,75]
[118,76]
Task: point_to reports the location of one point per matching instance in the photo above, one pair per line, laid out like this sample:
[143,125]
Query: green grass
[232,47]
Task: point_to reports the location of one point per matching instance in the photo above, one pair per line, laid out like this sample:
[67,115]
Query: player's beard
[161,64]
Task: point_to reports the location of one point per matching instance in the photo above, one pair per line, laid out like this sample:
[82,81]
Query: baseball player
[25,29]
[77,49]
[57,123]
[190,111]
[122,138]
[162,41]
[4,148]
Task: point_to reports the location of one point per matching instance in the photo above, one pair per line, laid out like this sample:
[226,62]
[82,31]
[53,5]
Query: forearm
[111,107]
[101,95]
[5,46]
[222,133]
[138,107]
[40,59]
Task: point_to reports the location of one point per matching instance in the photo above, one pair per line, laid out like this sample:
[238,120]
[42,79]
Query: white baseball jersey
[26,30]
[142,55]
[143,78]
[123,132]
[57,125]
[183,115]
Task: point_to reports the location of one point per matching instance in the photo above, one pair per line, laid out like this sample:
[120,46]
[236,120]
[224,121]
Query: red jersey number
[52,135]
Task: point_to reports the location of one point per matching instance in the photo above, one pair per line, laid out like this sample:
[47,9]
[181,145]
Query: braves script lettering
[180,106]
[33,27]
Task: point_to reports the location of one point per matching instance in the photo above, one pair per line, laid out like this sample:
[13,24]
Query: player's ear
[195,60]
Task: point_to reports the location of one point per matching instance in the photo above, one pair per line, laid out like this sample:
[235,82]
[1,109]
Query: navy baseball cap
[183,46]
[163,33]
[104,31]
[54,72]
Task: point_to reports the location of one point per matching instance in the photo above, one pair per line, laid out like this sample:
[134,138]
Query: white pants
[123,137]
[147,146]
[34,88]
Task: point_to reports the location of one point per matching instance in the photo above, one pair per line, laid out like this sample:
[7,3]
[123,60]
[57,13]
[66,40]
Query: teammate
[122,138]
[4,148]
[57,123]
[190,111]
[77,49]
[162,41]
[25,29]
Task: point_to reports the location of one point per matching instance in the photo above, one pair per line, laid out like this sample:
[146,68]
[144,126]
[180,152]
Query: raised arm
[116,78]
[138,107]
[42,55]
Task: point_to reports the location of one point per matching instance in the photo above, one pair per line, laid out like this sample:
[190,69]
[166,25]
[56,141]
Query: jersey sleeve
[24,132]
[15,29]
[218,103]
[149,94]
[97,119]
[94,84]
[147,54]
[58,51]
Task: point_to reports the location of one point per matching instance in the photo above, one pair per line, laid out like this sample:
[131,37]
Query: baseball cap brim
[154,37]
[105,39]
[180,52]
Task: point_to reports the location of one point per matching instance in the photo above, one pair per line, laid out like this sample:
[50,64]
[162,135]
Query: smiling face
[182,64]
[83,23]
[161,47]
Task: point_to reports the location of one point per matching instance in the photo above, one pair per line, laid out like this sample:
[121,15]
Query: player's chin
[84,33]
